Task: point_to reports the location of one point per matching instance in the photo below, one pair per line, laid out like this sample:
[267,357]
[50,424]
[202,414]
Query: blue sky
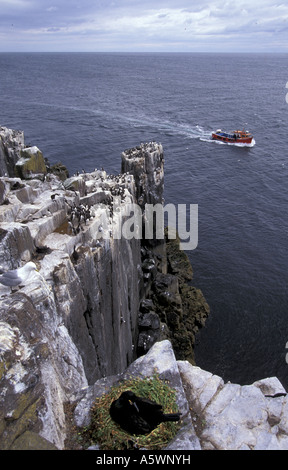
[147,25]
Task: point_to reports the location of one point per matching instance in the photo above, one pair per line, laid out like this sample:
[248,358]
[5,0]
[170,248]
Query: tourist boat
[239,137]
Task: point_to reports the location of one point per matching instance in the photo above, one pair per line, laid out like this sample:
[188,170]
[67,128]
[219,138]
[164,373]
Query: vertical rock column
[146,164]
[11,144]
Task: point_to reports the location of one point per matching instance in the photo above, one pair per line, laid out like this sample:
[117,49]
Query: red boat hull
[234,139]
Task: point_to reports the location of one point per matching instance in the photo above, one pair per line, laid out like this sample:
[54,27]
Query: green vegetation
[104,431]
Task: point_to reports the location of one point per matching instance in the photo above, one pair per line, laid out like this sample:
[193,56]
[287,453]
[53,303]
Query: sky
[143,26]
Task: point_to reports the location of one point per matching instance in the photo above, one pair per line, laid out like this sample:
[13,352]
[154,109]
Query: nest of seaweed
[109,435]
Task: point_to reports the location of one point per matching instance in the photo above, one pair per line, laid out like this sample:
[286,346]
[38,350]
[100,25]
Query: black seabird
[138,415]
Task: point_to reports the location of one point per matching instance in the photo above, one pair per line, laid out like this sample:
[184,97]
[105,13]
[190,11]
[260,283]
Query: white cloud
[159,24]
[14,3]
[182,23]
[51,9]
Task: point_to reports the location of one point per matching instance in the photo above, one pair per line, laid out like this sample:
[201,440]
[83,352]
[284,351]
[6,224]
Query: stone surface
[11,144]
[215,415]
[180,306]
[31,164]
[182,309]
[146,163]
[31,441]
[233,417]
[40,367]
[159,359]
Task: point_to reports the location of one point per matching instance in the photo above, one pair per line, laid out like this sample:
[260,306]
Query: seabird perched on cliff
[17,276]
[53,196]
[75,255]
[138,415]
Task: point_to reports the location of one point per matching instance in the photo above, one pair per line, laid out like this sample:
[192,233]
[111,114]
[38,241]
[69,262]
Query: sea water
[85,109]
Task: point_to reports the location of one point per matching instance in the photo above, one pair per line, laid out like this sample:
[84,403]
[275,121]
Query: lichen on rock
[31,164]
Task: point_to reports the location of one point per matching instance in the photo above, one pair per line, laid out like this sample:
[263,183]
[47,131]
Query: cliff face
[83,304]
[76,320]
[172,309]
[83,308]
[103,305]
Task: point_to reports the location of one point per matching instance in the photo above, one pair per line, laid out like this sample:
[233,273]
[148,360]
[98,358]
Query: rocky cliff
[215,415]
[100,305]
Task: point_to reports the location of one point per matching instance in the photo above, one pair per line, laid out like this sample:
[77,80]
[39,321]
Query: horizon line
[142,52]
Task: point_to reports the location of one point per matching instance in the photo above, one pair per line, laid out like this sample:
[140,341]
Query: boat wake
[192,132]
[173,128]
[197,132]
[170,128]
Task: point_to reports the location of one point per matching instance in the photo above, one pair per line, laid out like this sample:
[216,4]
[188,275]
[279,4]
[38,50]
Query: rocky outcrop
[181,307]
[11,145]
[229,416]
[146,164]
[19,160]
[40,367]
[31,164]
[215,415]
[159,359]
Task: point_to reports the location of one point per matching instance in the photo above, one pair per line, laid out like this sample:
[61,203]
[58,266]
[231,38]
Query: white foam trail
[192,132]
[172,128]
